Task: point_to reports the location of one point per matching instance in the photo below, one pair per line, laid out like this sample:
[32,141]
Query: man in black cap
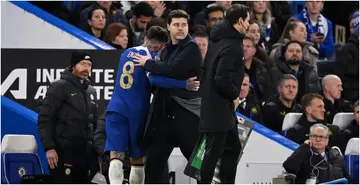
[66,120]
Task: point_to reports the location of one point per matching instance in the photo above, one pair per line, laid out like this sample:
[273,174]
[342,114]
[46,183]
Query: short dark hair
[198,28]
[157,33]
[143,9]
[252,40]
[177,14]
[288,44]
[235,12]
[156,21]
[96,8]
[211,9]
[287,77]
[308,98]
[200,34]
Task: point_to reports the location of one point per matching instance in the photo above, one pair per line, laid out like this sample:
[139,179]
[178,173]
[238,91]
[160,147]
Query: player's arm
[165,82]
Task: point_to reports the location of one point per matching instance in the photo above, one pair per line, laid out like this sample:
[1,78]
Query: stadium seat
[18,158]
[343,119]
[352,159]
[290,120]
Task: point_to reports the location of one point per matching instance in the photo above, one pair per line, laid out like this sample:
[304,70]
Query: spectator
[202,40]
[97,21]
[259,77]
[112,14]
[275,109]
[213,15]
[318,28]
[347,58]
[261,54]
[174,118]
[116,35]
[314,162]
[292,62]
[142,15]
[248,105]
[200,17]
[282,12]
[66,121]
[331,90]
[353,129]
[157,21]
[220,88]
[314,112]
[198,28]
[260,12]
[296,30]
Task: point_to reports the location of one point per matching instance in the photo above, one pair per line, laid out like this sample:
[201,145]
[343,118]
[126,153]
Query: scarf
[321,24]
[265,33]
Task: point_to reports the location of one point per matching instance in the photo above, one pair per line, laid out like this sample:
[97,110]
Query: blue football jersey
[131,96]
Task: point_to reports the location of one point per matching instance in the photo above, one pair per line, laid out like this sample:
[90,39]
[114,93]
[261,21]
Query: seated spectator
[319,29]
[137,25]
[116,35]
[260,12]
[282,11]
[200,17]
[97,21]
[292,62]
[296,30]
[347,58]
[353,129]
[202,40]
[259,77]
[248,105]
[331,90]
[261,54]
[213,15]
[314,109]
[112,14]
[275,109]
[198,28]
[315,162]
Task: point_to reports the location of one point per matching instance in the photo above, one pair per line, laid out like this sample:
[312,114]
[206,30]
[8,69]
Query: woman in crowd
[116,35]
[260,12]
[97,21]
[296,30]
[261,54]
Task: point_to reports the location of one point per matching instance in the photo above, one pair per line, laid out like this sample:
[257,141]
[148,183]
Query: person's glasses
[318,137]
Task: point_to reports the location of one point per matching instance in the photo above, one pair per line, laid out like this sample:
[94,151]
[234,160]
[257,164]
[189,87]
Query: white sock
[137,175]
[116,172]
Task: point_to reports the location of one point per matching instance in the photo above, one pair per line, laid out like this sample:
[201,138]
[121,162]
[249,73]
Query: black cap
[78,56]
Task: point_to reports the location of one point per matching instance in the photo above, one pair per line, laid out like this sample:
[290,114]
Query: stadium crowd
[281,52]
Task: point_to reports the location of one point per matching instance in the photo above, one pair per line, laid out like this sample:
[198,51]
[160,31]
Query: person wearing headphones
[315,162]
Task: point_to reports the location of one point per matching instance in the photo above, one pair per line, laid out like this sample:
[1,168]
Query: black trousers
[73,168]
[180,129]
[225,146]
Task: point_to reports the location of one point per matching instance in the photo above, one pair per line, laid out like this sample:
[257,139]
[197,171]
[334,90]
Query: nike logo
[73,94]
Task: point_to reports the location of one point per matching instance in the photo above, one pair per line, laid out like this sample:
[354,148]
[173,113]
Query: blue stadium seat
[352,159]
[19,158]
[16,165]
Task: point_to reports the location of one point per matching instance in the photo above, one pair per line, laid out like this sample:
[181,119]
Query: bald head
[332,87]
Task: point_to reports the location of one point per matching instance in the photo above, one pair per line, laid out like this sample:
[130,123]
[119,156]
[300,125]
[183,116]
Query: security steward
[66,123]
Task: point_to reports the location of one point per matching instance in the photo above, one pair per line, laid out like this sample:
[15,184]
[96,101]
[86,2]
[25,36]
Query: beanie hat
[78,56]
[355,23]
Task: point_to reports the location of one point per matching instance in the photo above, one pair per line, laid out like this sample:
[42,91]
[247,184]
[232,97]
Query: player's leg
[117,132]
[229,158]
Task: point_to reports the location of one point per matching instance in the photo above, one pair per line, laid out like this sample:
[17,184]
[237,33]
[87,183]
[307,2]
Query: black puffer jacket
[68,114]
[223,73]
[307,72]
[263,82]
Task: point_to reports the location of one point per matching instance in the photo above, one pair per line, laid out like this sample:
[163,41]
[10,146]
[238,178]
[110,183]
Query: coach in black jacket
[66,123]
[220,87]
